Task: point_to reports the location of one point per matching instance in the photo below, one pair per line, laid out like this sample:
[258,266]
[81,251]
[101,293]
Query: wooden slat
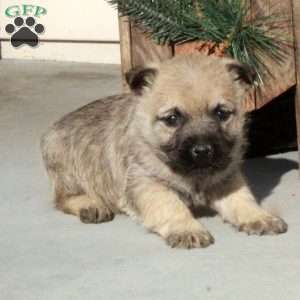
[296,21]
[283,75]
[145,50]
[125,48]
[137,49]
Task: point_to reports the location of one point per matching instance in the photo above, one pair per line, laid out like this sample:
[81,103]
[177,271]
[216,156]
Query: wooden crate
[138,49]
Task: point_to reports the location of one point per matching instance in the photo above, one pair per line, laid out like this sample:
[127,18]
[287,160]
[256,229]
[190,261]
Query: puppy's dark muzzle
[202,154]
[197,153]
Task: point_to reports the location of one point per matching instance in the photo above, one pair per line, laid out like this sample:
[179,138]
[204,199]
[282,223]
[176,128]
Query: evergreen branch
[219,21]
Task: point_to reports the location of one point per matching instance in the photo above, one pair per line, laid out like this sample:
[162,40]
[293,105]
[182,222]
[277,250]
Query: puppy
[174,143]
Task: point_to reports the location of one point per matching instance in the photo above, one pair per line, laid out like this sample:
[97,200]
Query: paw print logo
[24,33]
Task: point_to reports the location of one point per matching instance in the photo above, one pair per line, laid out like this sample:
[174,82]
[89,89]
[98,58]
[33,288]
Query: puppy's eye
[172,120]
[222,113]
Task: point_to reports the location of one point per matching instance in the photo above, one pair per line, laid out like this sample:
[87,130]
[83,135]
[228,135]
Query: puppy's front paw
[266,225]
[188,240]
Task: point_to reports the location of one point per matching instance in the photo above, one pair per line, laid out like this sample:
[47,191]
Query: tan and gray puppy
[174,143]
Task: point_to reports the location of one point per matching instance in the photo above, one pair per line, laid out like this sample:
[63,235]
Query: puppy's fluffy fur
[174,143]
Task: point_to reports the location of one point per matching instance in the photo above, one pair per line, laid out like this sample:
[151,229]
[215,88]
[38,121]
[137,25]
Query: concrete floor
[45,254]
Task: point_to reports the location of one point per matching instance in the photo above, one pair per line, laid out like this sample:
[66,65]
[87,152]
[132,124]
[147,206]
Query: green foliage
[177,21]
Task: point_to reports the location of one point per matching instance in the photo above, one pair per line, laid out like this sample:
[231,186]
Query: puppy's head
[190,111]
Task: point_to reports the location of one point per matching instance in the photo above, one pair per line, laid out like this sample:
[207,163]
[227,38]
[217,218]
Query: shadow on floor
[264,174]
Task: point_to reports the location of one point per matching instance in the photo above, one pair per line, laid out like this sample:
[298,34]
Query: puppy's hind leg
[87,209]
[72,200]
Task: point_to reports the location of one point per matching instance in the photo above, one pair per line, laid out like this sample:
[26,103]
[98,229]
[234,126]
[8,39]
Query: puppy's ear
[242,73]
[140,78]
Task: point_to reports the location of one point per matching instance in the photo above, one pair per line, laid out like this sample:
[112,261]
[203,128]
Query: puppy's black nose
[202,152]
